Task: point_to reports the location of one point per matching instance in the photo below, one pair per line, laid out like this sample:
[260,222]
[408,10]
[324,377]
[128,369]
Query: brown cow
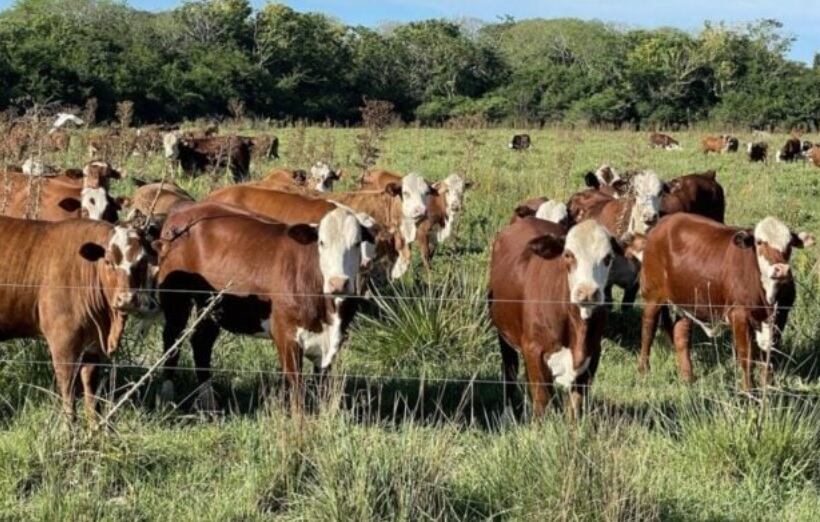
[81,279]
[663,141]
[286,283]
[719,144]
[813,155]
[157,199]
[546,292]
[211,152]
[320,178]
[697,193]
[711,274]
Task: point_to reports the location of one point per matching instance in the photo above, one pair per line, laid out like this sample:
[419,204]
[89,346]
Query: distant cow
[709,274]
[813,155]
[792,150]
[698,193]
[289,284]
[320,178]
[546,292]
[211,152]
[520,142]
[663,141]
[81,280]
[757,152]
[719,144]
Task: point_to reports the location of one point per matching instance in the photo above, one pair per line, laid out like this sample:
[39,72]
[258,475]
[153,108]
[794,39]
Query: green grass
[415,428]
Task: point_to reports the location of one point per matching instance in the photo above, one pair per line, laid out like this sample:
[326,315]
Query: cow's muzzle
[336,285]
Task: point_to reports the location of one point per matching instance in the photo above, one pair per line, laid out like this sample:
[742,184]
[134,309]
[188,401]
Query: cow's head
[97,204]
[341,233]
[773,243]
[607,180]
[129,270]
[322,177]
[805,147]
[99,173]
[647,189]
[553,211]
[415,196]
[453,188]
[587,252]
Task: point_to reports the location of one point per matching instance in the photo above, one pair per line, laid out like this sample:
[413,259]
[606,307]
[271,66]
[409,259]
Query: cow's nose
[781,271]
[337,285]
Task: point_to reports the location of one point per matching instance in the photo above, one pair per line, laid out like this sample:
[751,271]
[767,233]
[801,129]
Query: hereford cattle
[606,180]
[543,208]
[698,193]
[709,274]
[719,144]
[813,155]
[663,141]
[211,152]
[286,283]
[757,152]
[70,194]
[792,150]
[520,142]
[81,280]
[156,199]
[321,178]
[546,292]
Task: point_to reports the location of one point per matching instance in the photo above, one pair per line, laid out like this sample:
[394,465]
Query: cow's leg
[65,373]
[424,238]
[88,373]
[539,378]
[682,337]
[649,325]
[509,370]
[743,348]
[202,342]
[290,357]
[176,310]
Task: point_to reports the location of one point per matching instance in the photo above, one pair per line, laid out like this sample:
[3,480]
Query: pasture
[415,427]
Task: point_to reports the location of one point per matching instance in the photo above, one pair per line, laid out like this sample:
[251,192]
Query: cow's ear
[160,246]
[74,173]
[743,239]
[524,211]
[92,252]
[303,234]
[621,186]
[70,204]
[802,239]
[116,174]
[393,189]
[299,176]
[548,246]
[591,180]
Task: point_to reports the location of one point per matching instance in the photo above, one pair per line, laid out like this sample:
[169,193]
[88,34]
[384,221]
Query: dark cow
[286,283]
[520,142]
[698,193]
[719,144]
[81,280]
[757,152]
[792,150]
[709,274]
[211,152]
[546,292]
[663,141]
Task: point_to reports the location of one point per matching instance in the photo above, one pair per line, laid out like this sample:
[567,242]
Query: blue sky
[800,17]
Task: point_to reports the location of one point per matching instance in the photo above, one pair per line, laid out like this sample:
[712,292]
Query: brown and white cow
[607,180]
[286,283]
[546,291]
[320,178]
[719,144]
[658,140]
[709,274]
[757,152]
[198,154]
[813,155]
[73,283]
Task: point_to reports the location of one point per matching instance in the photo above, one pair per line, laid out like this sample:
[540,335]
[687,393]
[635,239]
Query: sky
[801,18]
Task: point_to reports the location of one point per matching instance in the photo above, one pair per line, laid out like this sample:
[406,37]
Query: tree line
[216,57]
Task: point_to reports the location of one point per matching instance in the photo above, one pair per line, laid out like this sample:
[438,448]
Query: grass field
[415,429]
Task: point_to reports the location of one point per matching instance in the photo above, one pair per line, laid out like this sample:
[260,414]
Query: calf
[72,283]
[719,144]
[321,178]
[546,292]
[663,141]
[757,152]
[710,274]
[698,193]
[792,150]
[287,283]
[210,152]
[520,142]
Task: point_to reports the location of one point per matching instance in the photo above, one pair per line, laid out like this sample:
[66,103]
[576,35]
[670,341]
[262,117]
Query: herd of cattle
[292,260]
[757,151]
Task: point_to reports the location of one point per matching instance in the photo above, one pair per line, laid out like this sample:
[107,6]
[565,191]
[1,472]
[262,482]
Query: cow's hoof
[166,393]
[643,367]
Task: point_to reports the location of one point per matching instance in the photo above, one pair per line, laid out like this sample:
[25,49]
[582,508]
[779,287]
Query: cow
[806,147]
[69,194]
[792,150]
[444,207]
[719,144]
[757,152]
[543,208]
[698,193]
[709,274]
[813,155]
[156,199]
[663,141]
[82,278]
[289,283]
[266,147]
[606,180]
[520,142]
[210,152]
[546,292]
[320,178]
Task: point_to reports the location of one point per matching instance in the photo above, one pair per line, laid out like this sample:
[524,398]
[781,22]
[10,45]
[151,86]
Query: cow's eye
[321,244]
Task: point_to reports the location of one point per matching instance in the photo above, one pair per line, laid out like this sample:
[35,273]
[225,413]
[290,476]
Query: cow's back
[283,206]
